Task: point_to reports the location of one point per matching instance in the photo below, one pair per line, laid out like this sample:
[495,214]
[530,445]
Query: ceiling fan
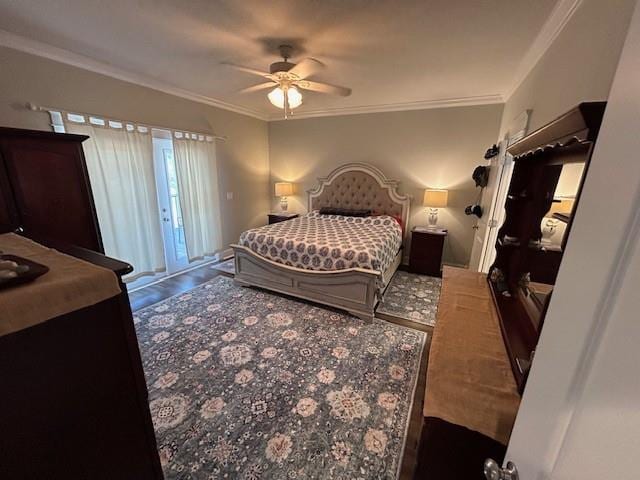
[288,79]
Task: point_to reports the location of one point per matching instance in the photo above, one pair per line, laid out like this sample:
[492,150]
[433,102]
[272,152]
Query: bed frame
[353,185]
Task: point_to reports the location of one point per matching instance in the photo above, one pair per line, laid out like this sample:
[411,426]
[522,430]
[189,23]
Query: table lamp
[435,199]
[283,190]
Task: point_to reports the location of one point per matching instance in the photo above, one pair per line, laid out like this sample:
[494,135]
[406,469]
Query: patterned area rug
[248,385]
[228,266]
[412,297]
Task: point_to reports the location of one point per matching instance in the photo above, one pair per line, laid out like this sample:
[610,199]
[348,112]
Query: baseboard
[458,265]
[405,266]
[224,254]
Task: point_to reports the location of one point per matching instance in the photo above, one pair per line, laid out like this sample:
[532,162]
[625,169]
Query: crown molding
[40,49]
[555,23]
[394,107]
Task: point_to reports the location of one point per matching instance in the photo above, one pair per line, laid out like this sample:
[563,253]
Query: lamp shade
[435,198]
[276,97]
[284,189]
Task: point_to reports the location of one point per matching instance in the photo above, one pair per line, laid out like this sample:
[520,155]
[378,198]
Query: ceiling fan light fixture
[276,97]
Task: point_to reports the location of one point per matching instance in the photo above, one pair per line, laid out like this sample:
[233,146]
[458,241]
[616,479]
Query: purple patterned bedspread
[328,242]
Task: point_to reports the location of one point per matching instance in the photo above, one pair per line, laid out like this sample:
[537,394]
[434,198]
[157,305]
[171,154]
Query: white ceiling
[393,54]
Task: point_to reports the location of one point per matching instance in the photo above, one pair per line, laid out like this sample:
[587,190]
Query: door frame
[585,306]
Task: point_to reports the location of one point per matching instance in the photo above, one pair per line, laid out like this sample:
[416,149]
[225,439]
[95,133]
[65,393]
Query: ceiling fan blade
[258,87]
[306,68]
[324,88]
[247,69]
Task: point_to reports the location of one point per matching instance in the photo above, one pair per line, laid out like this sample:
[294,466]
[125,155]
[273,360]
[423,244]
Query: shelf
[545,247]
[563,217]
[502,243]
[518,198]
[582,123]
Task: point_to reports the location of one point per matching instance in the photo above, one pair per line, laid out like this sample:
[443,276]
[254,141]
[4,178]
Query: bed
[336,260]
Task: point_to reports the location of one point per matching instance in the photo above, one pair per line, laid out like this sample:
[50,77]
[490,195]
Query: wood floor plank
[171,286]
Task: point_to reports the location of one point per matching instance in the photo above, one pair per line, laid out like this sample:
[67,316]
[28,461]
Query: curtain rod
[40,108]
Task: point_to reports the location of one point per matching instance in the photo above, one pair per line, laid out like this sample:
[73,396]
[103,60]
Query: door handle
[493,471]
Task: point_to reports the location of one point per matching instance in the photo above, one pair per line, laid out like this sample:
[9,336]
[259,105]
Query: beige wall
[578,66]
[243,158]
[421,148]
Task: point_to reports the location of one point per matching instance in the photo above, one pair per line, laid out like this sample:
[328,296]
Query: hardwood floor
[181,283]
[172,286]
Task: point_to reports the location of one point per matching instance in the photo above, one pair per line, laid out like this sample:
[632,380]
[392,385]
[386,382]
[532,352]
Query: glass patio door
[169,202]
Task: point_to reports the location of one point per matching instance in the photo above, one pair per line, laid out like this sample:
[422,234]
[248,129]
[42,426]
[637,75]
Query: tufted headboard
[358,186]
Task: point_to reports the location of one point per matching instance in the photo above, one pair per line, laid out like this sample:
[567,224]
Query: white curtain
[120,163]
[197,172]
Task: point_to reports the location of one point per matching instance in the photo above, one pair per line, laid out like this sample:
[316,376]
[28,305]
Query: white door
[580,412]
[487,199]
[496,211]
[169,202]
[494,197]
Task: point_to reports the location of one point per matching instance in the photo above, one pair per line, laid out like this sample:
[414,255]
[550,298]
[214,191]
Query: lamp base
[284,205]
[549,229]
[433,218]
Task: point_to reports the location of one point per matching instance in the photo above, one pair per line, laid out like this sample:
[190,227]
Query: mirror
[544,266]
[554,223]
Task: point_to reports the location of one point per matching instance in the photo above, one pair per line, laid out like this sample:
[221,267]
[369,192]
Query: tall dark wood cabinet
[523,275]
[45,189]
[73,398]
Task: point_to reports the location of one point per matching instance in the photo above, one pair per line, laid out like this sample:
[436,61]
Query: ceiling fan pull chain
[285,88]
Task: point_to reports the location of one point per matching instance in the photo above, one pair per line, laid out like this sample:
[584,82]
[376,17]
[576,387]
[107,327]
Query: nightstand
[426,251]
[281,217]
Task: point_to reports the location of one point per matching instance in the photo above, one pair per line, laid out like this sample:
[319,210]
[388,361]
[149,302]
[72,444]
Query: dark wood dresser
[74,401]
